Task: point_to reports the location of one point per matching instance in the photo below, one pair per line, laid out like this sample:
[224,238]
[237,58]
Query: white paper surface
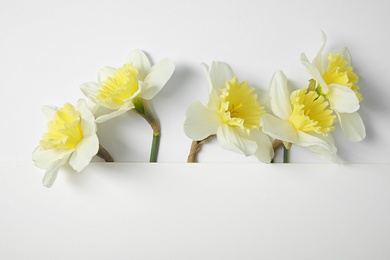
[196,211]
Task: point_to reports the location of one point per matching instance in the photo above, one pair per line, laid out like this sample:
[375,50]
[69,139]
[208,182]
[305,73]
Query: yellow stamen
[239,106]
[311,113]
[64,130]
[339,71]
[119,87]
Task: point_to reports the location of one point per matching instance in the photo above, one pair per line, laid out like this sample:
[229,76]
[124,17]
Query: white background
[49,48]
[181,211]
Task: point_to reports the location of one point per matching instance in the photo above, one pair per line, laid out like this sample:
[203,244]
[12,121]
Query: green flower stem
[142,108]
[155,147]
[276,144]
[104,154]
[195,148]
[285,154]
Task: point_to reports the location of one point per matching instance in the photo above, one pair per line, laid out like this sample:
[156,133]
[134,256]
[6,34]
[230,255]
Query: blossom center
[122,85]
[311,113]
[239,106]
[64,130]
[340,72]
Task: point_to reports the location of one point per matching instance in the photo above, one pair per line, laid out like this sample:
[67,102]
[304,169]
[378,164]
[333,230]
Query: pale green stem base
[285,155]
[155,147]
[142,108]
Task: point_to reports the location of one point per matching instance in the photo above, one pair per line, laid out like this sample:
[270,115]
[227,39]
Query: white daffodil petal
[343,51]
[105,73]
[214,101]
[314,72]
[352,126]
[92,106]
[319,145]
[220,73]
[129,101]
[280,96]
[52,172]
[114,113]
[265,99]
[139,60]
[342,99]
[90,90]
[85,150]
[101,111]
[318,60]
[49,112]
[264,152]
[278,128]
[44,158]
[157,78]
[201,122]
[234,139]
[87,119]
[347,56]
[210,83]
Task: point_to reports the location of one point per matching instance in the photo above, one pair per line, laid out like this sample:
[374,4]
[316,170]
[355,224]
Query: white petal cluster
[78,153]
[231,125]
[117,88]
[280,125]
[343,99]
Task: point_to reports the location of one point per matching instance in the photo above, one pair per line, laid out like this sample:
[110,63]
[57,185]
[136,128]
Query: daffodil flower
[232,114]
[71,138]
[336,81]
[119,89]
[302,117]
[130,87]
